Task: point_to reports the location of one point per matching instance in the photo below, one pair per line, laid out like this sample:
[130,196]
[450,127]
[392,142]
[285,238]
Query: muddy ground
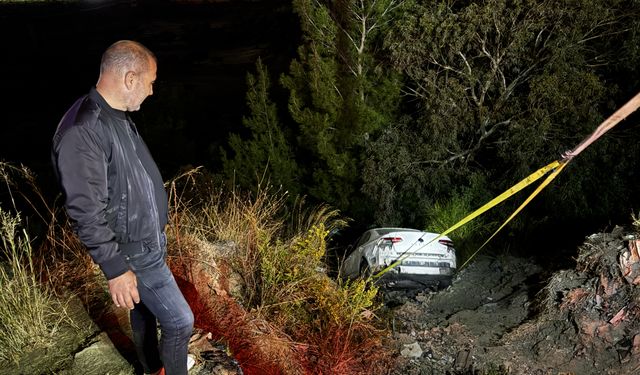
[509,315]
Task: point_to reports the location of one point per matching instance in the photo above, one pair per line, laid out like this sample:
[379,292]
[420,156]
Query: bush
[442,215]
[279,254]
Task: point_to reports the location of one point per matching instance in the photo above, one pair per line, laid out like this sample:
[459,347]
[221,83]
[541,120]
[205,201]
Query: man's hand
[124,290]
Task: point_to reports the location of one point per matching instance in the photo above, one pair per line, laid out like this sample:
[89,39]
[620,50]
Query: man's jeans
[160,299]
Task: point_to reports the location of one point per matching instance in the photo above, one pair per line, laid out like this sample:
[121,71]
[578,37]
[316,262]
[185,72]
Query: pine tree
[339,93]
[266,156]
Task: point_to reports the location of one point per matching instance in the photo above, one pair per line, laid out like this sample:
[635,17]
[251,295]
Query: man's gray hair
[124,56]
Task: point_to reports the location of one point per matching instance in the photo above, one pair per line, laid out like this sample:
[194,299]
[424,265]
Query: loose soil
[508,315]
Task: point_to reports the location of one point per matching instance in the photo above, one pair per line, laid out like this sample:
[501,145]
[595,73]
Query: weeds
[61,260]
[40,280]
[30,315]
[441,216]
[279,253]
[252,268]
[493,369]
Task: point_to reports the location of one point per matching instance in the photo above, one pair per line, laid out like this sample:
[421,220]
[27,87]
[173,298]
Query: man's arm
[82,169]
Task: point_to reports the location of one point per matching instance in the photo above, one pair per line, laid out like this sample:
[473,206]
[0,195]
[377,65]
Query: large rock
[411,350]
[100,358]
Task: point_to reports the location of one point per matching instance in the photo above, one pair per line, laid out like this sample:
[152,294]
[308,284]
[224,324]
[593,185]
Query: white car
[424,261]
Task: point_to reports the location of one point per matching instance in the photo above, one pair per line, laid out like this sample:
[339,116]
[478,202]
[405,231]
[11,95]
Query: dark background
[51,55]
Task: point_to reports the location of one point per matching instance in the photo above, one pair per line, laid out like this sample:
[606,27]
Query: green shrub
[277,253]
[296,289]
[444,214]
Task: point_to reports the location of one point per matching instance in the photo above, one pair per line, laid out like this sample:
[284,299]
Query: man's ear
[130,79]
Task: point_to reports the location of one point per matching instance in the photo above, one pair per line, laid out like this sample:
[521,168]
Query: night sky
[51,55]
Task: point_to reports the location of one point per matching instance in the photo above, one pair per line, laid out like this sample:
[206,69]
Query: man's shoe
[191,361]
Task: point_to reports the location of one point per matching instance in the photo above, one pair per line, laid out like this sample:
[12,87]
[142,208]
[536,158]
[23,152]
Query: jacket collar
[96,97]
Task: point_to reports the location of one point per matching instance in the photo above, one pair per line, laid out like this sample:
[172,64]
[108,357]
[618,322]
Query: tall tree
[266,156]
[339,92]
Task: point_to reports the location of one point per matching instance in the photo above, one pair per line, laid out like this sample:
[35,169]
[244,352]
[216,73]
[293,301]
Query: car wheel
[365,270]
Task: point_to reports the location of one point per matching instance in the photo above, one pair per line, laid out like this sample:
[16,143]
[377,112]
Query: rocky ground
[506,315]
[451,330]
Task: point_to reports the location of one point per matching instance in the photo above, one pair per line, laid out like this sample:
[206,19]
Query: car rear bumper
[399,279]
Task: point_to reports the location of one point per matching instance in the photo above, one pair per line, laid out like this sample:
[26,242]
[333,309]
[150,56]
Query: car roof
[393,229]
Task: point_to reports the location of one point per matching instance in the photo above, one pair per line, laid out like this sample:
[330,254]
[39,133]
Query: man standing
[116,199]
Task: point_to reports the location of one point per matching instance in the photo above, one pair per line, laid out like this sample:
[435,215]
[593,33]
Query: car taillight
[447,243]
[392,239]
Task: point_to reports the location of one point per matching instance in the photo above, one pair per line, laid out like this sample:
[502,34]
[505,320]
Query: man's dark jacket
[114,192]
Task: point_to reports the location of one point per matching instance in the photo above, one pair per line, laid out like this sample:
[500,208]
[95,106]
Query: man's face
[143,87]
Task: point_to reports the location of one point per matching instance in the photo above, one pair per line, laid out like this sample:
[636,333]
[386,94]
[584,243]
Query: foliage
[279,254]
[442,215]
[355,350]
[241,220]
[266,156]
[60,260]
[30,315]
[303,256]
[346,302]
[475,70]
[281,264]
[53,274]
[494,89]
[305,294]
[493,369]
[395,104]
[339,95]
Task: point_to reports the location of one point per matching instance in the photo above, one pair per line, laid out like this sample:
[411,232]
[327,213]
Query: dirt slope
[505,315]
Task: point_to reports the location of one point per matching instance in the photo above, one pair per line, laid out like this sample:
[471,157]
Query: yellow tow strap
[500,198]
[494,202]
[533,195]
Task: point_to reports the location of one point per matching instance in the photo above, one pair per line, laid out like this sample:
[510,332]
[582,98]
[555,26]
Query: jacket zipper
[150,191]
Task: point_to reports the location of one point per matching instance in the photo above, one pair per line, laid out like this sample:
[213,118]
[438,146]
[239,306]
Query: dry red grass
[259,348]
[351,350]
[264,349]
